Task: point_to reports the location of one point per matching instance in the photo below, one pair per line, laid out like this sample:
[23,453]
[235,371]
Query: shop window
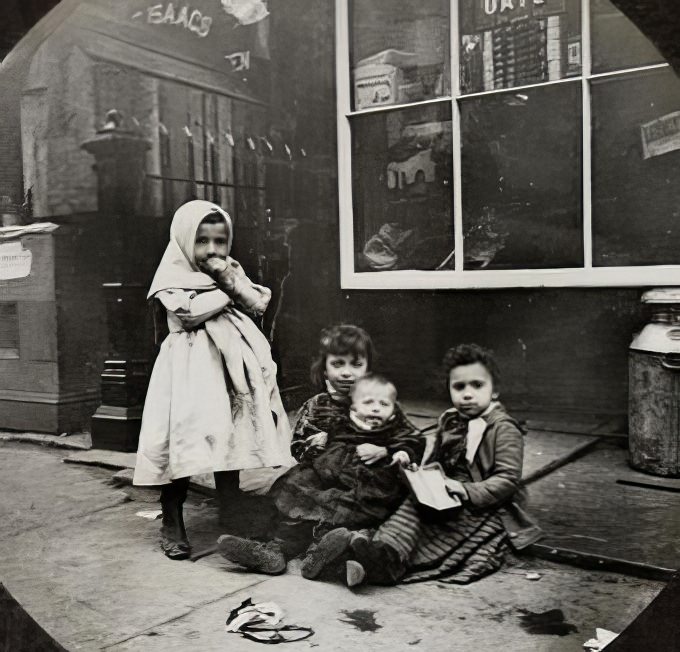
[521,179]
[508,43]
[9,331]
[544,154]
[616,42]
[400,52]
[636,160]
[402,188]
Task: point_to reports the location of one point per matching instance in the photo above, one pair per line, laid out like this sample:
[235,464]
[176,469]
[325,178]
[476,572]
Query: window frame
[459,278]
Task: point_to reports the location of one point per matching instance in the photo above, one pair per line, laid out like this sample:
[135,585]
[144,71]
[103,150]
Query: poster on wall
[15,262]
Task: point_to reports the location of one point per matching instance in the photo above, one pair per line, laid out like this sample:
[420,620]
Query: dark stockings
[228,495]
[381,562]
[174,540]
[293,537]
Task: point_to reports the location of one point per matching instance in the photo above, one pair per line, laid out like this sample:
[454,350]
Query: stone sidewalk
[82,562]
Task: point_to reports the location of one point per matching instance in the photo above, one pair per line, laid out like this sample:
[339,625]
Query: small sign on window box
[661,136]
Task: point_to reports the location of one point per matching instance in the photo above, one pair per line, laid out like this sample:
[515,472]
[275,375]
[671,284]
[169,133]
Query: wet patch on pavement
[361,619]
[547,623]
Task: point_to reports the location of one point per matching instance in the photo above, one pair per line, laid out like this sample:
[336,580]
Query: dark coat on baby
[336,488]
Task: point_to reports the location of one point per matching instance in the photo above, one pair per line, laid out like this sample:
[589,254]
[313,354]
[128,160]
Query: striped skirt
[459,550]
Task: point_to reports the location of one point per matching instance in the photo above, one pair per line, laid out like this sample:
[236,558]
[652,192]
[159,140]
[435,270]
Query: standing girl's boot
[174,542]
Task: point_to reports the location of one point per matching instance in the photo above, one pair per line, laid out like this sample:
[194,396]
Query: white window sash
[458,278]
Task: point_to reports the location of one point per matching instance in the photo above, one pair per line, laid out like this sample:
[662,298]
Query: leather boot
[322,554]
[253,555]
[174,542]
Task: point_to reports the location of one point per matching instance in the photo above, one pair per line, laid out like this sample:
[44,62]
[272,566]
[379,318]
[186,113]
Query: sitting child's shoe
[331,546]
[354,573]
[253,555]
[363,550]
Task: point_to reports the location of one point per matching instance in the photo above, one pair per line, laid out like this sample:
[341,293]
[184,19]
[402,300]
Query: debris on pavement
[151,514]
[261,622]
[534,577]
[603,637]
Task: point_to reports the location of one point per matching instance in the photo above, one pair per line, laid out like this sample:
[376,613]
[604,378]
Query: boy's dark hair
[341,339]
[214,217]
[378,379]
[464,354]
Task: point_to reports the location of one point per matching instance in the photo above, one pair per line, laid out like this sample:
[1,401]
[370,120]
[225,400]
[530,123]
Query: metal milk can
[654,387]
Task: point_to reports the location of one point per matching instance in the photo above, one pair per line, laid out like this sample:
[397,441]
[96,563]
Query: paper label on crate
[15,262]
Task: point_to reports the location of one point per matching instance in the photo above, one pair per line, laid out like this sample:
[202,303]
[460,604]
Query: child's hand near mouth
[214,265]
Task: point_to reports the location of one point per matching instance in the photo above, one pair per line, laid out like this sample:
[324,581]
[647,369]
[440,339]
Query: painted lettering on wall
[492,7]
[239,60]
[182,15]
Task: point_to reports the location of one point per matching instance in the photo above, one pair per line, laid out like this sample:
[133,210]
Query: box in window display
[388,77]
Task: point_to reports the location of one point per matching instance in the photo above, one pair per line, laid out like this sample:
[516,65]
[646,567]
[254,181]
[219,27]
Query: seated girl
[345,355]
[480,448]
[349,482]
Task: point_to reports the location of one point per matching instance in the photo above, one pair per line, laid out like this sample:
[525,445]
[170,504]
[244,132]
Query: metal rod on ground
[206,552]
[569,456]
[601,562]
[649,485]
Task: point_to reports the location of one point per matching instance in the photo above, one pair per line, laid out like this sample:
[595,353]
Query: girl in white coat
[213,404]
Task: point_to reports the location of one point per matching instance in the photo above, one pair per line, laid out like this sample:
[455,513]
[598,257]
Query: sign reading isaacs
[167,14]
[229,37]
[199,20]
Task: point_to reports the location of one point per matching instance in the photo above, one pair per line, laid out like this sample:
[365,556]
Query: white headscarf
[177,268]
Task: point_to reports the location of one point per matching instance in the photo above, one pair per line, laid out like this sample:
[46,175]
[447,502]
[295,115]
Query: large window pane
[616,42]
[400,51]
[636,167]
[521,175]
[507,43]
[402,188]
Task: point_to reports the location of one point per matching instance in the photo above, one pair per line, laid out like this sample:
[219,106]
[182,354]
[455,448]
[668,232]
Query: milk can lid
[661,295]
[657,338]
